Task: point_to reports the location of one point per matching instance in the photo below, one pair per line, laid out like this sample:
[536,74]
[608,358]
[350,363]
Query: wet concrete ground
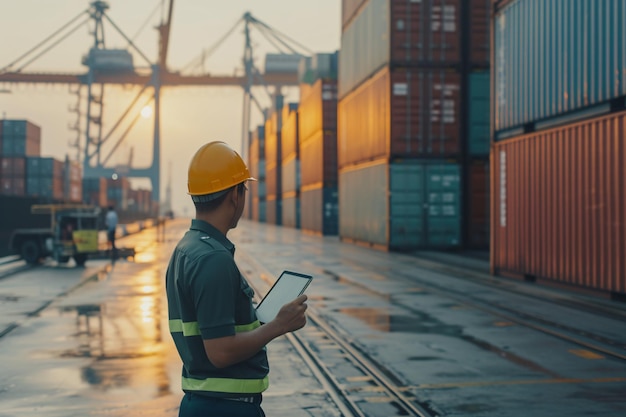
[103,348]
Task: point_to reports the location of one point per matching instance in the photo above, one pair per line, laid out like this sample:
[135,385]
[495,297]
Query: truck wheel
[30,252]
[80,259]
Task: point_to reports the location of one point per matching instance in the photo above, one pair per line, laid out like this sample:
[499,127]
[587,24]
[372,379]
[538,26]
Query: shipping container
[401,113]
[480,34]
[319,210]
[289,133]
[321,66]
[401,205]
[117,192]
[555,61]
[13,186]
[72,181]
[44,167]
[349,9]
[478,135]
[399,33]
[13,167]
[259,209]
[291,210]
[20,138]
[273,210]
[318,108]
[49,188]
[478,202]
[273,167]
[559,206]
[95,191]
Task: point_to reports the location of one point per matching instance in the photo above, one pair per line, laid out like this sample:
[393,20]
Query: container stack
[19,139]
[273,165]
[44,178]
[95,191]
[257,189]
[72,181]
[476,146]
[399,124]
[290,160]
[559,126]
[318,156]
[140,200]
[117,192]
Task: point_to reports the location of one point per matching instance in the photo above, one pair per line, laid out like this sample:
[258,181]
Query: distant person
[111,224]
[211,317]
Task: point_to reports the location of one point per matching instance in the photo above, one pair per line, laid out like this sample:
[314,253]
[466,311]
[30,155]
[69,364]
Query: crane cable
[49,38]
[145,23]
[196,62]
[281,36]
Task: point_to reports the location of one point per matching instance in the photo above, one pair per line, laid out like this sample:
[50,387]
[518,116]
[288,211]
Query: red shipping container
[405,112]
[13,186]
[13,167]
[480,17]
[559,206]
[478,211]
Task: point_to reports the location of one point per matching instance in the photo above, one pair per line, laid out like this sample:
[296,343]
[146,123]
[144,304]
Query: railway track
[357,385]
[572,333]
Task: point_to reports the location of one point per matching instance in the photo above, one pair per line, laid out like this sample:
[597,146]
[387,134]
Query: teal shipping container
[556,58]
[479,139]
[401,205]
[320,210]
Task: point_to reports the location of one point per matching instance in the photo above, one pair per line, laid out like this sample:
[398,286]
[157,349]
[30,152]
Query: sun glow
[146,112]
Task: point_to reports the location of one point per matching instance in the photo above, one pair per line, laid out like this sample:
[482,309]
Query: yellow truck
[73,233]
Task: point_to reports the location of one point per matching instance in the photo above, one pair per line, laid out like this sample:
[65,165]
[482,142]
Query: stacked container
[139,201]
[273,165]
[72,181]
[559,208]
[400,123]
[290,160]
[117,192]
[318,157]
[95,191]
[44,178]
[18,139]
[258,191]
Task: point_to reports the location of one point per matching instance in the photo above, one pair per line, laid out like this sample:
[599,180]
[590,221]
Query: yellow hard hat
[216,167]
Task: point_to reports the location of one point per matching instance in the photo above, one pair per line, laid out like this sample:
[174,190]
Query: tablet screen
[286,288]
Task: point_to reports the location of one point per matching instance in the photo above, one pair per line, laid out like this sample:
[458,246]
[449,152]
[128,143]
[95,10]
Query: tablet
[287,287]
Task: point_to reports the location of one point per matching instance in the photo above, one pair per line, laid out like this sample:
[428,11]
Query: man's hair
[209,206]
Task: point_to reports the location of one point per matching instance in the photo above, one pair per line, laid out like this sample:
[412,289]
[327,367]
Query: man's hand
[291,316]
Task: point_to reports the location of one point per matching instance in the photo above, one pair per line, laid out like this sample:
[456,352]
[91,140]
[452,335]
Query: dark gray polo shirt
[208,298]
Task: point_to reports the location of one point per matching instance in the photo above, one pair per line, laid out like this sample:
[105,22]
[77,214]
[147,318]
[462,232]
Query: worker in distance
[211,316]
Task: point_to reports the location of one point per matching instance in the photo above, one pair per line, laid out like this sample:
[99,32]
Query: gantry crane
[99,75]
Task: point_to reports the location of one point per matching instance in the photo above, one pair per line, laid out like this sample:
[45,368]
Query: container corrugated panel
[289,135]
[555,57]
[480,17]
[291,211]
[47,187]
[559,206]
[259,210]
[290,175]
[273,213]
[478,217]
[272,155]
[320,210]
[422,209]
[318,108]
[402,113]
[13,167]
[13,186]
[44,167]
[349,9]
[479,136]
[318,159]
[399,33]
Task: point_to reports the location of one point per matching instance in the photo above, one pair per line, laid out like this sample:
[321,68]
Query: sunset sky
[190,116]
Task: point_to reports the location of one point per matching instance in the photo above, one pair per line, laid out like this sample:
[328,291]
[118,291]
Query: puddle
[380,319]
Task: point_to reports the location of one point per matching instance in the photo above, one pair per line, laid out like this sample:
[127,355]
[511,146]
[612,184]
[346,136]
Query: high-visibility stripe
[191,328]
[230,385]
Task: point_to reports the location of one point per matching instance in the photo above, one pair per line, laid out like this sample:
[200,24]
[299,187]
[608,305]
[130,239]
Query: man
[110,222]
[211,316]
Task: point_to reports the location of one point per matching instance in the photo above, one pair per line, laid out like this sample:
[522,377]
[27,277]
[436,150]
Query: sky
[190,116]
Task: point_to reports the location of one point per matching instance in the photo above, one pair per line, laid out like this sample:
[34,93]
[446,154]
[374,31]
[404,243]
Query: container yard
[450,173]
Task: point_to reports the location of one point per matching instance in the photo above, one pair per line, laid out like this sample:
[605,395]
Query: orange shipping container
[401,113]
[289,133]
[318,108]
[272,155]
[559,206]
